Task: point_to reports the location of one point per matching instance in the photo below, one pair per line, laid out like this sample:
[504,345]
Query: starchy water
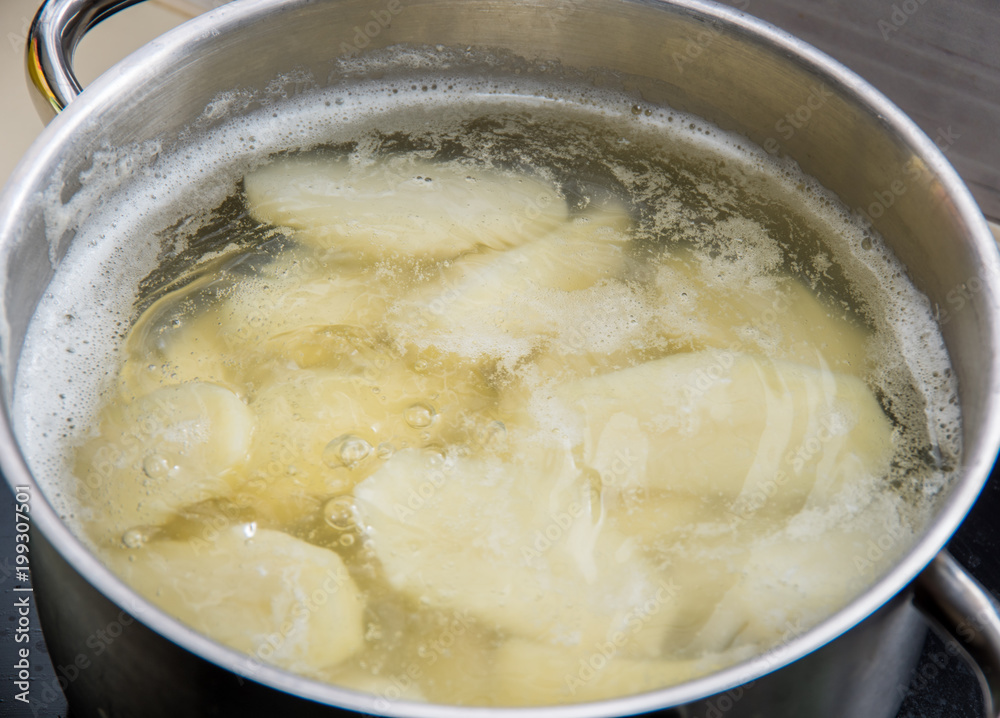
[488,393]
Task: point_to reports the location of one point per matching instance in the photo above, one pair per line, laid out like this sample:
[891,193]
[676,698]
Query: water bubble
[135,537]
[249,530]
[419,416]
[437,456]
[339,513]
[420,365]
[346,450]
[385,450]
[155,466]
[347,540]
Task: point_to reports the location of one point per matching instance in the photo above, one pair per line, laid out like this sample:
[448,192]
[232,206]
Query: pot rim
[227,19]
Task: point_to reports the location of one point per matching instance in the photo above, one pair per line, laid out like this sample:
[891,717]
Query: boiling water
[487,394]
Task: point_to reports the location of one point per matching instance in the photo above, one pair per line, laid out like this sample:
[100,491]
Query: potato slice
[489,303]
[387,689]
[401,205]
[421,654]
[323,430]
[451,657]
[724,425]
[176,340]
[788,585]
[295,293]
[771,315]
[176,446]
[302,414]
[652,515]
[519,547]
[280,600]
[232,329]
[695,541]
[536,674]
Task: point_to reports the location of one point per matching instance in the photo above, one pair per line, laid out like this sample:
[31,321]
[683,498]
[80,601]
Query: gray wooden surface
[938,60]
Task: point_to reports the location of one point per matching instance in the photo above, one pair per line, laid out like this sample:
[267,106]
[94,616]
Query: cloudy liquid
[450,398]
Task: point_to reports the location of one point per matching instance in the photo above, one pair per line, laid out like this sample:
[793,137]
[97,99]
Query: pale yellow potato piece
[280,600]
[728,425]
[701,545]
[788,584]
[769,315]
[518,547]
[386,689]
[454,660]
[176,446]
[235,331]
[401,205]
[296,293]
[378,400]
[303,412]
[176,340]
[652,515]
[535,674]
[488,302]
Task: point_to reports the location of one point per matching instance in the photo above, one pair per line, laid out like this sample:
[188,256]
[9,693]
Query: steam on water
[507,374]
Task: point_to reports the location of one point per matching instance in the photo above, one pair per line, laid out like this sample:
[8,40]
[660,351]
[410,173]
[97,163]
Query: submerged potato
[534,674]
[529,558]
[722,424]
[176,446]
[402,206]
[281,600]
[387,689]
[788,583]
[770,315]
[486,302]
[324,429]
[296,292]
[176,340]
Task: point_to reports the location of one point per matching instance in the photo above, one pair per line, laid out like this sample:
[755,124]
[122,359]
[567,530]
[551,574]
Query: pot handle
[963,611]
[55,32]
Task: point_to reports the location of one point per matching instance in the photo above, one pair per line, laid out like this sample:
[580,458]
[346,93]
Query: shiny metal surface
[55,32]
[963,610]
[746,77]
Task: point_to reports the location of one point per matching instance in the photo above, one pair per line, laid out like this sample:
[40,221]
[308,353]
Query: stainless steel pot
[742,74]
